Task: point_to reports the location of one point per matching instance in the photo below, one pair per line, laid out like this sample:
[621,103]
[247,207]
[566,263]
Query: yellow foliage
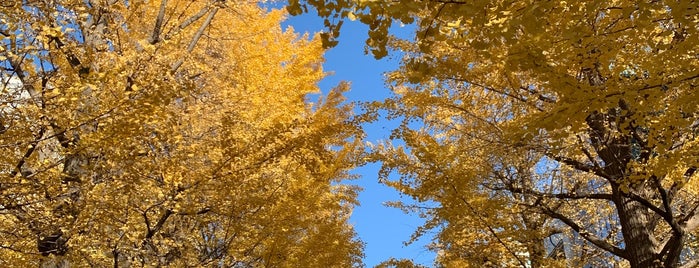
[580,117]
[169,133]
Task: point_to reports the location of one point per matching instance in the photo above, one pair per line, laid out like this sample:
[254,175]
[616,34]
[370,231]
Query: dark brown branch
[539,95]
[158,225]
[662,85]
[198,212]
[505,93]
[60,135]
[28,153]
[672,249]
[586,234]
[572,196]
[579,166]
[668,209]
[588,154]
[115,252]
[436,15]
[145,218]
[155,37]
[72,59]
[667,217]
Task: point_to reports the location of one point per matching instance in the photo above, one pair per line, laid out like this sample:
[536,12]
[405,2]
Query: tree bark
[639,242]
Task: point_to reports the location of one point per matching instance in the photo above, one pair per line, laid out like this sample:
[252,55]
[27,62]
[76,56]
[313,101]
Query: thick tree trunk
[639,242]
[641,246]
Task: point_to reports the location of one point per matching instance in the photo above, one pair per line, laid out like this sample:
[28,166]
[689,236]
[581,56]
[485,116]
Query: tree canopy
[169,133]
[535,121]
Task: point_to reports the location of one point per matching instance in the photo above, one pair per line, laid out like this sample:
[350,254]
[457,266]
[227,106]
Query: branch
[661,85]
[588,154]
[538,95]
[39,101]
[502,92]
[490,229]
[28,153]
[471,114]
[115,252]
[585,234]
[158,225]
[145,218]
[429,26]
[189,21]
[155,37]
[668,209]
[196,38]
[579,166]
[72,59]
[198,212]
[672,249]
[667,217]
[561,195]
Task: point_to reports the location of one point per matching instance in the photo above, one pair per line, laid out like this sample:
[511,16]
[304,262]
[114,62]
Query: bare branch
[187,22]
[668,209]
[588,154]
[196,38]
[579,165]
[586,234]
[499,91]
[158,225]
[155,37]
[560,195]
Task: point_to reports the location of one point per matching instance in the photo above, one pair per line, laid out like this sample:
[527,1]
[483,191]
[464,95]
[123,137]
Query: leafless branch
[188,21]
[155,37]
[196,37]
[579,165]
[586,234]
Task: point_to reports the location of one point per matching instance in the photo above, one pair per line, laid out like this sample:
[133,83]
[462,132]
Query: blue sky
[383,229]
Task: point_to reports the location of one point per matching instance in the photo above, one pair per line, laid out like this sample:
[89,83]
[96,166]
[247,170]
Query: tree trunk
[640,244]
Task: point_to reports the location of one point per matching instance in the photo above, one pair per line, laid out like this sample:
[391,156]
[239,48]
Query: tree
[174,133]
[582,115]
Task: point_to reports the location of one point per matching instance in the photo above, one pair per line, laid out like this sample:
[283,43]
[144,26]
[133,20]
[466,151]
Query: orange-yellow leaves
[491,91]
[197,144]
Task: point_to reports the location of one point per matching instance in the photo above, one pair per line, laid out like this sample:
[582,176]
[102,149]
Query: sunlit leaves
[192,143]
[551,109]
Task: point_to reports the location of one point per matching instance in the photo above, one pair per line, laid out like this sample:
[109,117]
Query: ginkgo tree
[169,133]
[543,118]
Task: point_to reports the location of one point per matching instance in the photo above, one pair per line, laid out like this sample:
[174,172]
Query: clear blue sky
[383,229]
